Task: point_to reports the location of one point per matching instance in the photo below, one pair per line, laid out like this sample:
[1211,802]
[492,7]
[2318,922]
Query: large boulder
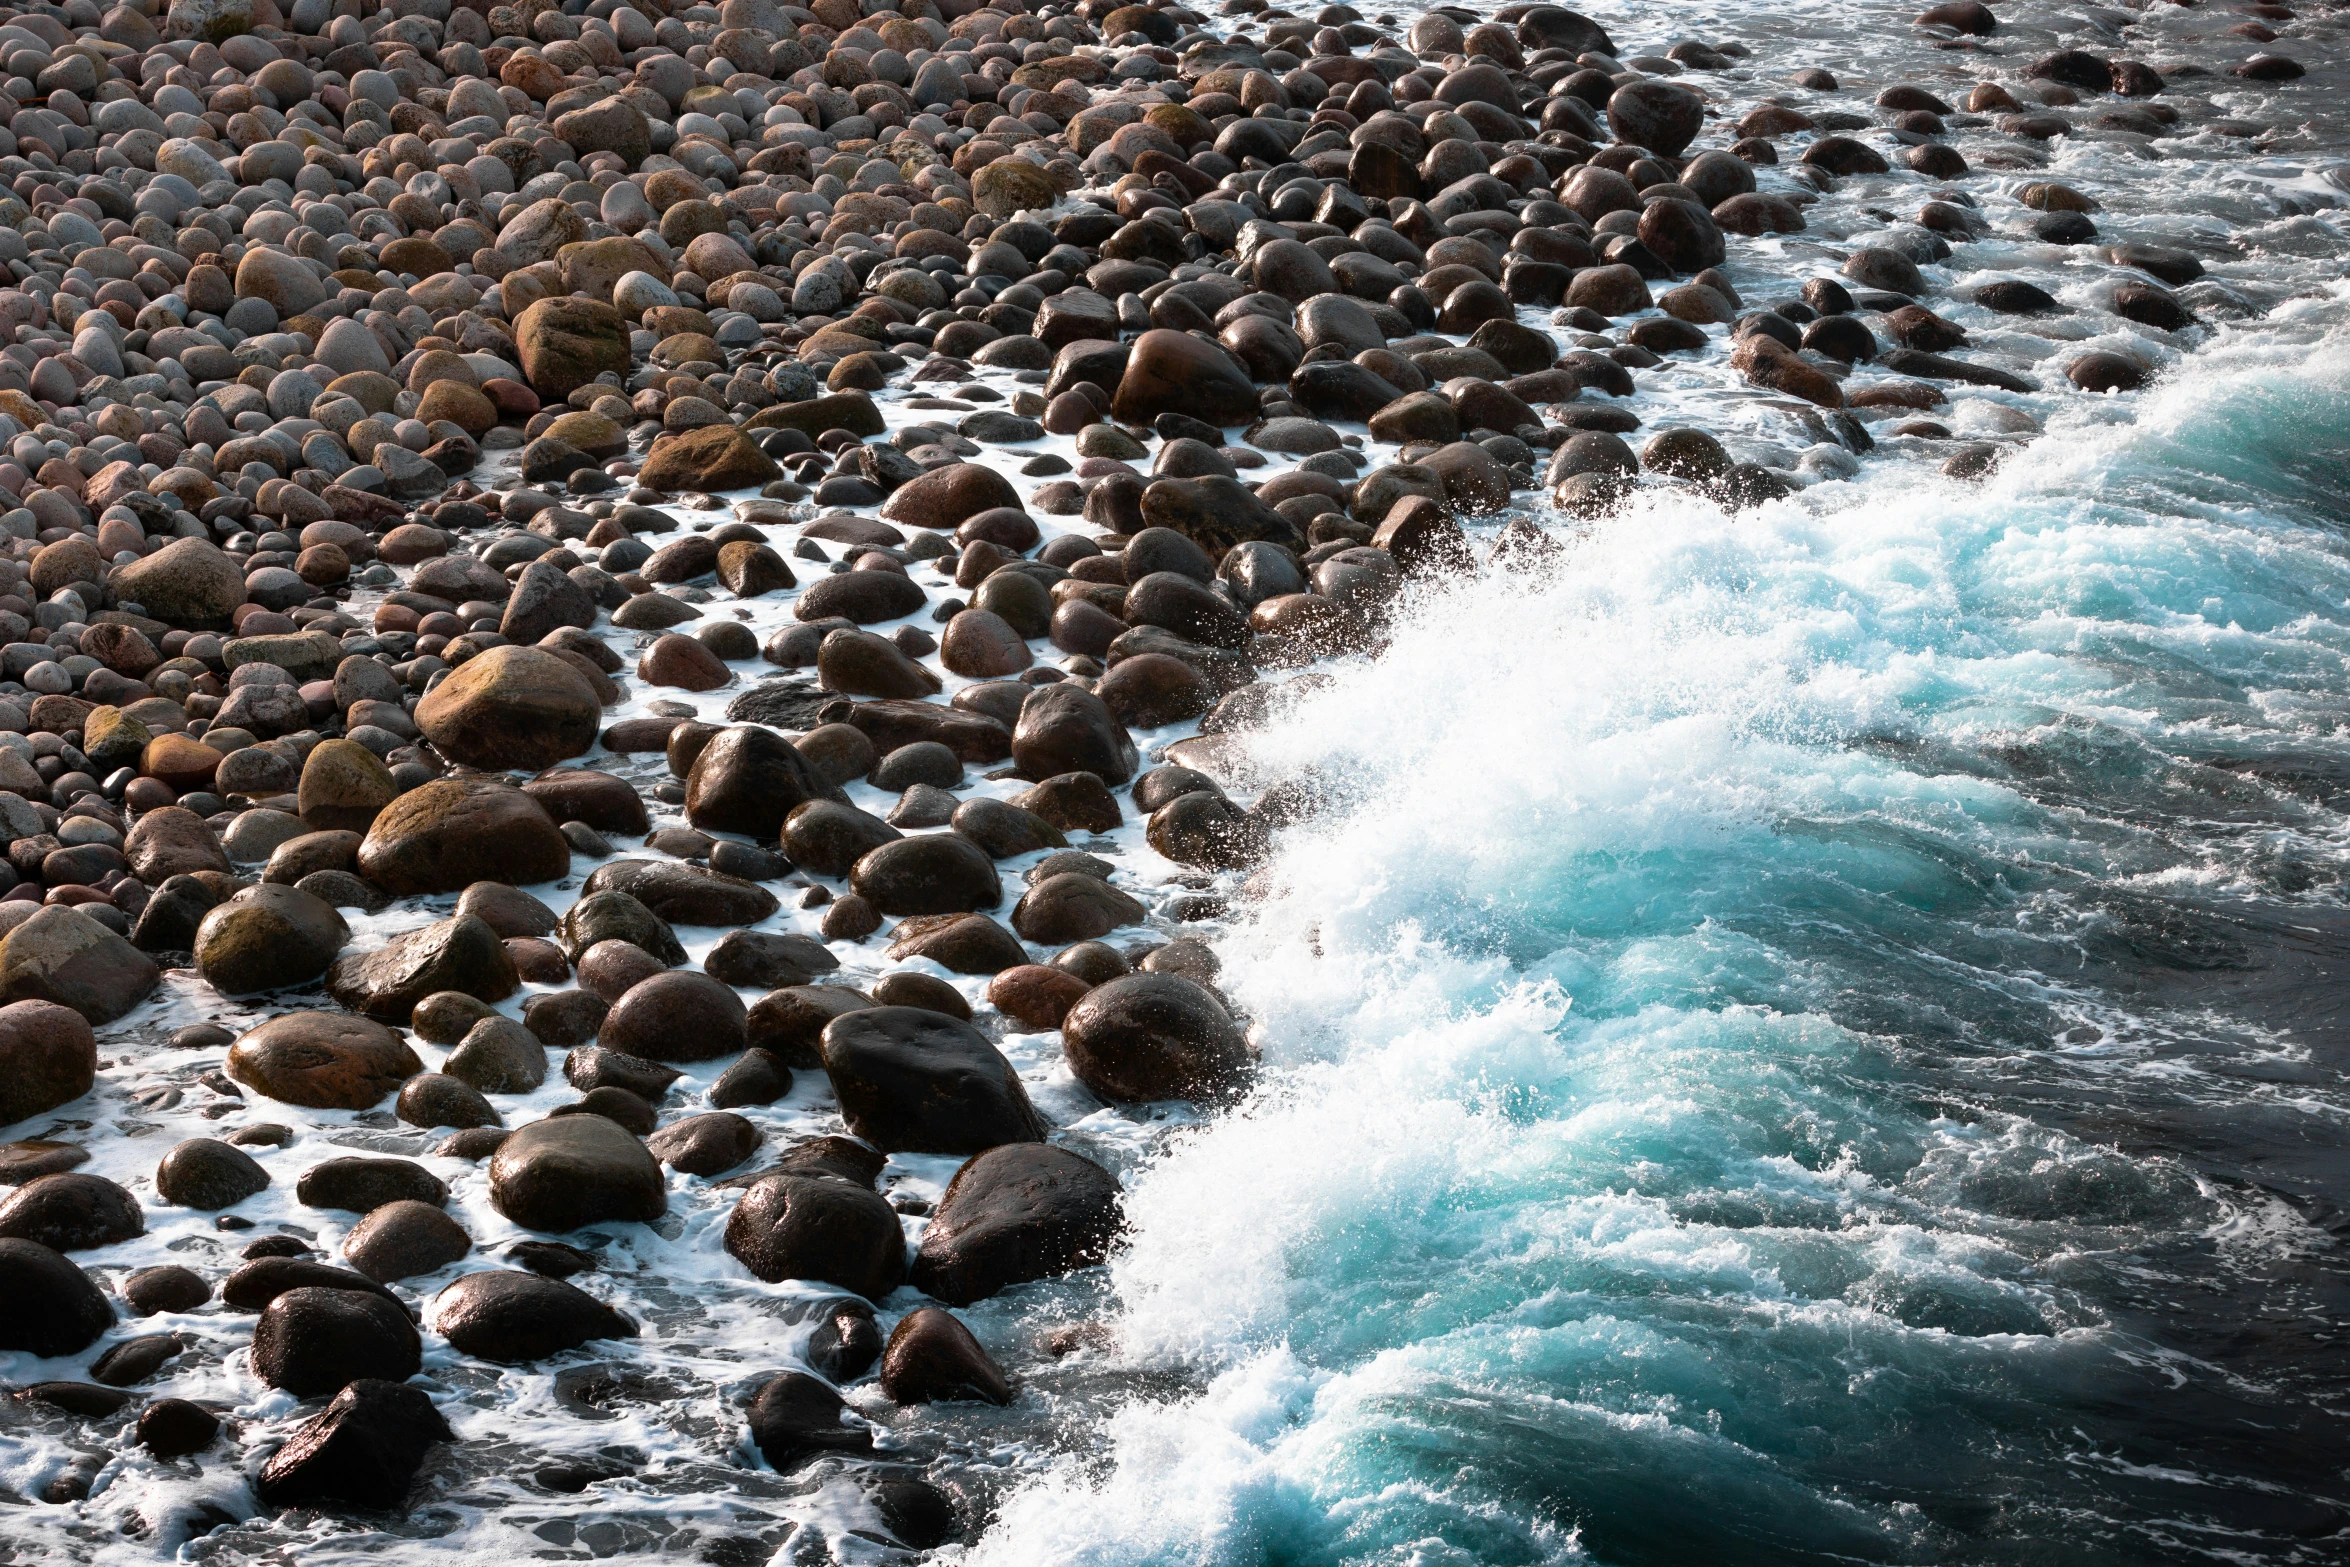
[207,1174]
[713,458]
[448,834]
[1065,728]
[566,342]
[685,894]
[1217,514]
[315,1342]
[462,954]
[1175,372]
[71,1211]
[933,1358]
[511,707]
[48,1306]
[515,1317]
[573,1170]
[268,938]
[824,1231]
[929,873]
[403,1239]
[364,1450]
[1016,1213]
[747,780]
[1662,116]
[62,955]
[322,1060]
[795,1417]
[676,1016]
[48,1057]
[360,1184]
[1146,1037]
[914,1081]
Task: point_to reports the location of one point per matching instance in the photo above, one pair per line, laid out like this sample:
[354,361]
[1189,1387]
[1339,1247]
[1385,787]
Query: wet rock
[314,1342]
[446,835]
[760,1077]
[460,954]
[322,1060]
[675,1016]
[933,1358]
[403,1239]
[934,873]
[1148,1037]
[747,780]
[169,1288]
[48,1306]
[826,1231]
[65,957]
[511,707]
[571,1171]
[73,1211]
[768,960]
[796,1418]
[1073,907]
[360,1184]
[916,1081]
[1017,1213]
[592,1067]
[268,938]
[364,1450]
[499,1056]
[48,1058]
[175,1428]
[434,1099]
[705,1144]
[516,1317]
[208,1174]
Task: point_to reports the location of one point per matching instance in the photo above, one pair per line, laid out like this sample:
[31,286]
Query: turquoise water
[1804,1037]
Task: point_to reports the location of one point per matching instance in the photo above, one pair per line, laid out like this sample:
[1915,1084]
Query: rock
[279,278]
[322,1060]
[511,707]
[1073,907]
[2105,372]
[1063,729]
[768,960]
[208,1174]
[863,664]
[515,1317]
[760,1077]
[170,1288]
[959,943]
[48,1306]
[63,956]
[675,1016]
[912,1081]
[826,1231]
[614,125]
[747,780]
[685,894]
[828,839]
[713,458]
[1148,1037]
[460,954]
[933,1358]
[1174,372]
[72,1211]
[48,1058]
[499,1056]
[932,873]
[435,1099]
[615,916]
[169,842]
[1656,114]
[790,1022]
[364,1450]
[447,834]
[705,1145]
[403,1239]
[1013,1214]
[262,1280]
[344,786]
[1217,514]
[575,1170]
[358,1184]
[176,1428]
[565,343]
[795,1417]
[315,1342]
[268,938]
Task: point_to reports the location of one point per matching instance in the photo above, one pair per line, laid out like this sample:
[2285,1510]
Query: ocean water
[1806,1036]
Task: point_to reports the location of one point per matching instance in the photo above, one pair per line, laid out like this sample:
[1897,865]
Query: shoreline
[1786,407]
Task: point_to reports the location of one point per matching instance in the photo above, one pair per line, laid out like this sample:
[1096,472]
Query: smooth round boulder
[1149,1037]
[933,1358]
[705,1145]
[569,1171]
[514,1317]
[747,780]
[362,1184]
[930,873]
[208,1174]
[71,1211]
[48,1306]
[826,1231]
[445,835]
[322,1060]
[403,1239]
[916,1081]
[676,1016]
[518,707]
[48,1058]
[268,938]
[1013,1214]
[314,1342]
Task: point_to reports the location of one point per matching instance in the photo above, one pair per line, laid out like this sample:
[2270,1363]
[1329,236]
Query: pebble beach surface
[669,677]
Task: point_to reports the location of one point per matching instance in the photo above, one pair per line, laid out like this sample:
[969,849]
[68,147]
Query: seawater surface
[1811,1036]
